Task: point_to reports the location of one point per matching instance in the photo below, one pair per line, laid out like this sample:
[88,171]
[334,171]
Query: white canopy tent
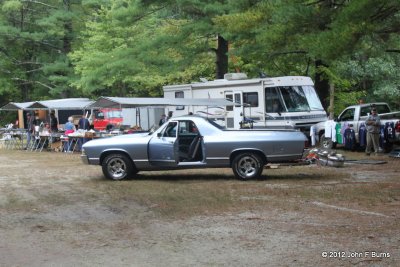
[16,106]
[48,105]
[154,105]
[61,104]
[133,102]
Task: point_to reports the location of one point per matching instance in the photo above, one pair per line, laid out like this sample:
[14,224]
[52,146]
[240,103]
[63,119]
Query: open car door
[163,147]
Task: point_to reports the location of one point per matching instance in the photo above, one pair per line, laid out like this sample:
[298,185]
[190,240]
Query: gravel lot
[55,211]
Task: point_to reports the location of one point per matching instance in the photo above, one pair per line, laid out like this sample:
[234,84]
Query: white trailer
[280,102]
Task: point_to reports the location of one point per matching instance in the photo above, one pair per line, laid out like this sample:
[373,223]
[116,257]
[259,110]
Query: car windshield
[292,98]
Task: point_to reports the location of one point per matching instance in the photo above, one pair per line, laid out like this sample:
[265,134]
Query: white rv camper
[276,103]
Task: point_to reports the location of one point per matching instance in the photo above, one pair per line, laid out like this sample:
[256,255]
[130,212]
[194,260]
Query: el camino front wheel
[117,167]
[247,166]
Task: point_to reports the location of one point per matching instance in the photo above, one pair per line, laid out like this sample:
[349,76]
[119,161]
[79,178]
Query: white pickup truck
[356,115]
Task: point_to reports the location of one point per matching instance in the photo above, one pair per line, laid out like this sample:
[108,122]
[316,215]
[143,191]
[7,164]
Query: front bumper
[85,159]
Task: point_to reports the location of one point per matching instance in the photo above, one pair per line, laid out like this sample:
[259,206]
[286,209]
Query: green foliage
[35,38]
[90,48]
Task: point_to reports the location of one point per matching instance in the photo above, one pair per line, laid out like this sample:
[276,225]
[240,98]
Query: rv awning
[16,106]
[61,104]
[133,102]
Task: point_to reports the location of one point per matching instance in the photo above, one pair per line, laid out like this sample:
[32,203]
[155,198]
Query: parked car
[356,115]
[194,142]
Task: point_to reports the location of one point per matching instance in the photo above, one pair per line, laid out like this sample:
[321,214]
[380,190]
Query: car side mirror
[159,135]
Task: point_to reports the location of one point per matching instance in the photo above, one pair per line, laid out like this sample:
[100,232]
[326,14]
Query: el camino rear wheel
[247,166]
[117,167]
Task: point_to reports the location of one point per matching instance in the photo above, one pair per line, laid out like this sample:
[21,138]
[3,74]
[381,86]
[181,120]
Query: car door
[162,148]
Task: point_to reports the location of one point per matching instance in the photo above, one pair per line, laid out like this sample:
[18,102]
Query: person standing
[83,124]
[170,114]
[373,124]
[163,119]
[29,129]
[53,123]
[69,128]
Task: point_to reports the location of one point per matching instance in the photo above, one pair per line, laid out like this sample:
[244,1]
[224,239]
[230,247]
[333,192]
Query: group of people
[36,125]
[69,127]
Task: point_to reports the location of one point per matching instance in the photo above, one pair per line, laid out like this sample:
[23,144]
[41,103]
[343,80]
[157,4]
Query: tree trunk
[222,57]
[321,86]
[331,101]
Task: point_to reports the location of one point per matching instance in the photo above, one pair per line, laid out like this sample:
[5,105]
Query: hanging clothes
[389,131]
[339,136]
[330,130]
[349,138]
[362,135]
[312,135]
[382,140]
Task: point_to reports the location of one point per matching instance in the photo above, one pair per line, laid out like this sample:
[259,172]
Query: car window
[365,111]
[99,115]
[348,115]
[382,109]
[187,127]
[170,130]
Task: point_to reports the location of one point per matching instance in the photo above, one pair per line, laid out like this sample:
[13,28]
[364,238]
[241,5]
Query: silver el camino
[193,142]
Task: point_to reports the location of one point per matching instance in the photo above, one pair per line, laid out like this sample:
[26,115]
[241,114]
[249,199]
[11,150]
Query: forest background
[89,48]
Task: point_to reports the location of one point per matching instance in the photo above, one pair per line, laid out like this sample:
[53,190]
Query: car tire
[247,166]
[326,143]
[118,167]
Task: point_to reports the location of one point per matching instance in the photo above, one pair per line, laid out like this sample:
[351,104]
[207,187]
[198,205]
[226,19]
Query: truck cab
[107,118]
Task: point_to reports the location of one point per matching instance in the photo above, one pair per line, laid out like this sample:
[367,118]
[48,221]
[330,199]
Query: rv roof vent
[235,76]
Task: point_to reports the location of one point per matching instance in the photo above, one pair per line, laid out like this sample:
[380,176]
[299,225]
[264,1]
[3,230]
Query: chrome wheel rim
[117,168]
[326,143]
[247,166]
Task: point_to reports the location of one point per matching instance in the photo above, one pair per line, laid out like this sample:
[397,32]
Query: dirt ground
[55,211]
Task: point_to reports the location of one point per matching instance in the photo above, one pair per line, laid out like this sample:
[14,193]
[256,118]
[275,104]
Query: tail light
[397,127]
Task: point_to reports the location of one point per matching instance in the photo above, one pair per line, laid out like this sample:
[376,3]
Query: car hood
[119,139]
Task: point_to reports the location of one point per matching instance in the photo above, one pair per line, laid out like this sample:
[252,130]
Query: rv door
[234,113]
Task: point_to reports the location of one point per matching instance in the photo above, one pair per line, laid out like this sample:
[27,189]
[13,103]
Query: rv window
[238,100]
[294,98]
[312,97]
[230,98]
[273,101]
[251,99]
[180,94]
